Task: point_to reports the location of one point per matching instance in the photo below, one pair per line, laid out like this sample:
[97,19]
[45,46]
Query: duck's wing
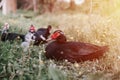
[74,51]
[83,48]
[84,51]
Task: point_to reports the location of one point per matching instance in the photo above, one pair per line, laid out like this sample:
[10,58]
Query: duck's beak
[49,39]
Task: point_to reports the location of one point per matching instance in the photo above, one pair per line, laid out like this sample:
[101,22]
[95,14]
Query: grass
[92,28]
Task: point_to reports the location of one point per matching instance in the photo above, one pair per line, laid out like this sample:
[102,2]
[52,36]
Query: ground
[32,65]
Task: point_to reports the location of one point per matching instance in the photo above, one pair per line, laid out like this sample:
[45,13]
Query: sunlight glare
[78,2]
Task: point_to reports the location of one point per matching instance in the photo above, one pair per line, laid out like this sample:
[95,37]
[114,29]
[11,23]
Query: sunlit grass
[92,28]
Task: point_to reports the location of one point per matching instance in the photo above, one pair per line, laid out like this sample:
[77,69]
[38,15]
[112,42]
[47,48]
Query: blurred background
[104,7]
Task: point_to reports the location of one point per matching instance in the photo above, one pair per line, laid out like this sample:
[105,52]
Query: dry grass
[93,29]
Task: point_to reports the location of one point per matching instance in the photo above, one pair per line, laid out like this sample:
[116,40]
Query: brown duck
[60,49]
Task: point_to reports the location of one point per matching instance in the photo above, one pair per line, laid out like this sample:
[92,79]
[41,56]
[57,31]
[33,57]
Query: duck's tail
[104,49]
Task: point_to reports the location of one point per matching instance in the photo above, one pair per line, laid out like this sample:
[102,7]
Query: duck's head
[56,34]
[49,27]
[59,36]
[5,28]
[32,29]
